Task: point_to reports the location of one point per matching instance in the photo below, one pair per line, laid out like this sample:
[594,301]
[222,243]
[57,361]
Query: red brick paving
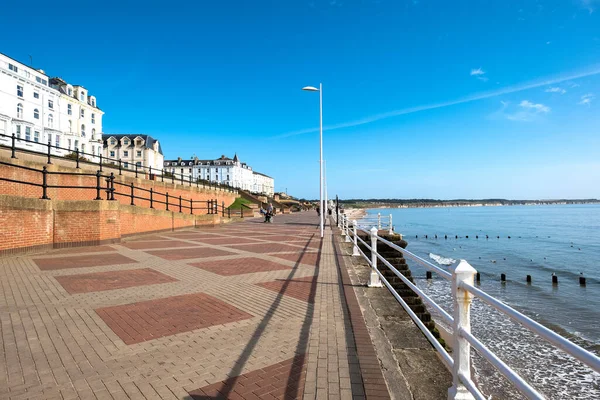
[198,252]
[239,266]
[111,280]
[284,380]
[299,288]
[265,247]
[147,320]
[92,260]
[311,259]
[87,249]
[156,244]
[224,240]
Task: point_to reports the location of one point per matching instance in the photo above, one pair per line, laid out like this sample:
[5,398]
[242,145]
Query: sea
[517,241]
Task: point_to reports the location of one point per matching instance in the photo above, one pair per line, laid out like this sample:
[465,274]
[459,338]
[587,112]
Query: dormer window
[113,142]
[82,96]
[70,91]
[126,142]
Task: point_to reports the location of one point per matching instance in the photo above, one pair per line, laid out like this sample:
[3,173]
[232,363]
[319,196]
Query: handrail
[463,290]
[104,162]
[180,202]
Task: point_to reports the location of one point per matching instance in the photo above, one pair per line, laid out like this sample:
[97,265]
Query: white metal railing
[463,292]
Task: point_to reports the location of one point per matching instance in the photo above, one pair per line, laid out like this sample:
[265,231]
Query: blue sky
[422,99]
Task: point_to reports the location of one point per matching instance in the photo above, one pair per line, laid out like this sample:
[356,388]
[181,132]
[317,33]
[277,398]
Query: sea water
[559,239]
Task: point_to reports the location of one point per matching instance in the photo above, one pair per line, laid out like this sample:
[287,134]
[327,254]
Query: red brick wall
[91,227]
[23,228]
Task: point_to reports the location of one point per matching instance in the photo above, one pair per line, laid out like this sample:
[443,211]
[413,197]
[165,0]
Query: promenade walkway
[243,311]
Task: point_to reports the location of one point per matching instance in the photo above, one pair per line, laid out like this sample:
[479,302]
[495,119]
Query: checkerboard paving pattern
[246,310]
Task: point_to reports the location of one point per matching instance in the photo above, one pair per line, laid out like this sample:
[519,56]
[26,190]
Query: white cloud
[586,99]
[556,89]
[595,70]
[477,72]
[537,107]
[589,5]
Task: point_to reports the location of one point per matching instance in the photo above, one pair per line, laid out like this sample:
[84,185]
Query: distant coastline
[431,203]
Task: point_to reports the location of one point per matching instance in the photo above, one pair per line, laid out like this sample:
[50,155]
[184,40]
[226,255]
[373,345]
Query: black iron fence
[78,157]
[108,185]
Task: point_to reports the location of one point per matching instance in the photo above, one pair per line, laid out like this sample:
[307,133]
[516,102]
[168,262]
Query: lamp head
[310,89]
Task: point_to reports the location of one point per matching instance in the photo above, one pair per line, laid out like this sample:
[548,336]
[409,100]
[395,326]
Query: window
[112,153]
[40,80]
[19,110]
[70,91]
[50,120]
[82,112]
[125,153]
[113,142]
[51,104]
[182,170]
[83,130]
[83,147]
[125,142]
[76,145]
[49,138]
[93,118]
[13,68]
[93,132]
[36,114]
[19,90]
[70,126]
[36,95]
[93,102]
[138,163]
[69,144]
[57,141]
[139,153]
[190,170]
[125,164]
[27,133]
[69,110]
[93,150]
[81,96]
[18,131]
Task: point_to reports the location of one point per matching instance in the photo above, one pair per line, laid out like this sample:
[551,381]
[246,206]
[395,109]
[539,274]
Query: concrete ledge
[24,203]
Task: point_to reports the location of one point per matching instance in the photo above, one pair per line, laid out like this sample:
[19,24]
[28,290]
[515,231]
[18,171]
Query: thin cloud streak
[467,99]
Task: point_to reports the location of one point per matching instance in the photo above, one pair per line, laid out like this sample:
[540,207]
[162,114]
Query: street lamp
[320,90]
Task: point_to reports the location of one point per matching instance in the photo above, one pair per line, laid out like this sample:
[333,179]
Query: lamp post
[320,90]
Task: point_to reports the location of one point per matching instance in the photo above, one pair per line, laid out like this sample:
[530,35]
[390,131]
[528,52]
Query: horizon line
[595,70]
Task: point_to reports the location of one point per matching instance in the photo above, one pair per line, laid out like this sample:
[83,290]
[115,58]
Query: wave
[441,260]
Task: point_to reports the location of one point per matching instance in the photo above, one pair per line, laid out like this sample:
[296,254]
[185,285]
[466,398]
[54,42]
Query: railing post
[179,203]
[98,186]
[374,277]
[229,213]
[120,172]
[208,206]
[45,184]
[391,231]
[343,223]
[150,173]
[14,138]
[151,191]
[162,176]
[355,251]
[173,178]
[132,203]
[100,162]
[77,157]
[112,186]
[461,349]
[191,206]
[136,170]
[379,221]
[181,178]
[167,200]
[49,148]
[223,210]
[347,231]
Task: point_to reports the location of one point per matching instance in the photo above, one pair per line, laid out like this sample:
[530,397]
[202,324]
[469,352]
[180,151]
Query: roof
[148,140]
[258,173]
[197,161]
[25,65]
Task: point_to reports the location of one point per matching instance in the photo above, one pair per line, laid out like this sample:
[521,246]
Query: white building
[223,170]
[41,109]
[131,150]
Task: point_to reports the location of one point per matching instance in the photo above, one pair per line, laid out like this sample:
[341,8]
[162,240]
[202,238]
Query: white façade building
[41,109]
[223,170]
[133,149]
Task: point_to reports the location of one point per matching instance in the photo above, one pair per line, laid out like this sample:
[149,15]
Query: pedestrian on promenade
[269,213]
